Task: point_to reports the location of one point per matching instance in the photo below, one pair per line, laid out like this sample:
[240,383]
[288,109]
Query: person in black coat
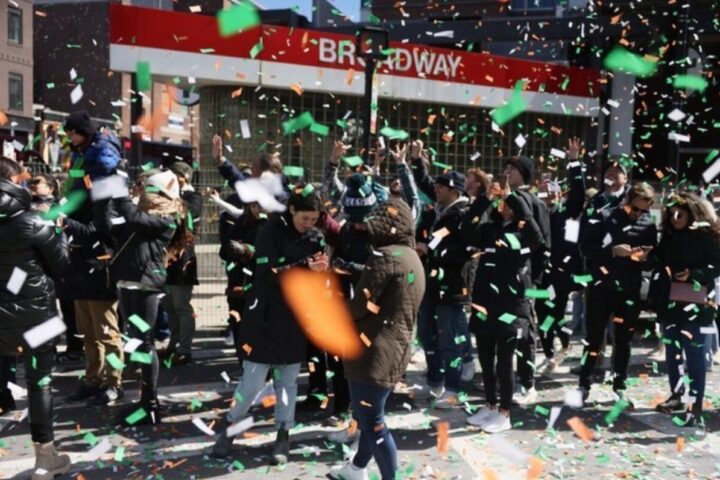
[273,337]
[31,252]
[618,245]
[505,237]
[688,261]
[182,276]
[146,235]
[520,171]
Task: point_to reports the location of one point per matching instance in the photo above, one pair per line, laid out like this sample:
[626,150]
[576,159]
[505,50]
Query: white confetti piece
[16,281]
[114,186]
[16,389]
[444,34]
[573,398]
[76,94]
[225,376]
[197,421]
[507,450]
[103,447]
[195,9]
[474,156]
[557,153]
[237,428]
[44,332]
[73,74]
[132,345]
[678,137]
[572,230]
[712,171]
[554,414]
[262,190]
[245,128]
[520,141]
[676,115]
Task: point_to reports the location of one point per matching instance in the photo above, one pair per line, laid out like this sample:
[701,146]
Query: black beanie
[453,180]
[80,122]
[524,165]
[359,198]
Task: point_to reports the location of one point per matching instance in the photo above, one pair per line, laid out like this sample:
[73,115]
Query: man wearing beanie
[95,152]
[442,318]
[182,276]
[615,187]
[520,171]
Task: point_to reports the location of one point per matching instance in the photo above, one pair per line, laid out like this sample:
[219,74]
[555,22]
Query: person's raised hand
[574,147]
[217,145]
[416,148]
[338,151]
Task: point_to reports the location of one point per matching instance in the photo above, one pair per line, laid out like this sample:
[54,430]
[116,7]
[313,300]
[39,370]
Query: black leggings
[557,312]
[37,378]
[144,304]
[496,360]
[317,379]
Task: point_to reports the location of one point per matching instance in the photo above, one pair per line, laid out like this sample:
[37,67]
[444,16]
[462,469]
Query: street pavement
[639,443]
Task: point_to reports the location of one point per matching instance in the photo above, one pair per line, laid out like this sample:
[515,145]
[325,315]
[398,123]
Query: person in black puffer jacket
[688,257]
[29,246]
[618,245]
[274,339]
[146,235]
[506,237]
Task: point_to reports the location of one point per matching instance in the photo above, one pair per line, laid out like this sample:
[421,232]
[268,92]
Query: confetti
[16,280]
[237,428]
[143,77]
[622,60]
[139,323]
[514,107]
[241,16]
[690,82]
[44,332]
[443,438]
[580,429]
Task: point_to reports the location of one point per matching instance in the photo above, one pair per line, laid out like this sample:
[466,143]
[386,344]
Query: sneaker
[551,365]
[525,397]
[481,416]
[83,392]
[468,371]
[229,339]
[562,355]
[69,358]
[335,421]
[222,446]
[496,423]
[348,471]
[427,391]
[106,396]
[345,435]
[447,400]
[673,404]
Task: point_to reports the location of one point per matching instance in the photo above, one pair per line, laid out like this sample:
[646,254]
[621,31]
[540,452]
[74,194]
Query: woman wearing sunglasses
[688,261]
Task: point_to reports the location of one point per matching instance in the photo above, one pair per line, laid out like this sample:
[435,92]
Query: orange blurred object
[580,429]
[318,304]
[443,439]
[536,468]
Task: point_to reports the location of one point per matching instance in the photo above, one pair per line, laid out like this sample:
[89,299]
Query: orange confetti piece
[680,444]
[269,401]
[297,88]
[536,468]
[247,349]
[392,211]
[443,439]
[490,474]
[349,76]
[580,429]
[104,257]
[325,319]
[311,367]
[618,320]
[353,427]
[304,40]
[372,307]
[3,118]
[236,93]
[431,119]
[365,340]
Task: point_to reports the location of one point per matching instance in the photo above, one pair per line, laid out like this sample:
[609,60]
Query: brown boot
[48,463]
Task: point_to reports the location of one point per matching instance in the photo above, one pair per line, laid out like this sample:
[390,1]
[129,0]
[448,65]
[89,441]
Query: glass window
[15,31]
[15,91]
[520,5]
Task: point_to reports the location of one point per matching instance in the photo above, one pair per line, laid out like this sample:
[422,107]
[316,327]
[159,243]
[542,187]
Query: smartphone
[545,178]
[502,180]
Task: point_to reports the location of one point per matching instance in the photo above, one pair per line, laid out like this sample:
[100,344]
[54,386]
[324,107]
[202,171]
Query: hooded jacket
[395,278]
[31,245]
[183,271]
[268,326]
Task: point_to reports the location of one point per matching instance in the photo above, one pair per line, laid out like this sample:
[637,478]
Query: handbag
[684,292]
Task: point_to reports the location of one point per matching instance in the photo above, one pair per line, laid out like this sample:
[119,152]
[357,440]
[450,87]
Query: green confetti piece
[119,454]
[603,458]
[44,381]
[513,240]
[307,190]
[582,278]
[237,465]
[320,129]
[411,278]
[536,293]
[690,82]
[507,318]
[353,161]
[50,85]
[293,171]
[262,260]
[620,59]
[256,49]
[190,223]
[239,17]
[143,77]
[393,134]
[444,166]
[114,361]
[90,439]
[616,410]
[300,122]
[141,357]
[139,323]
[710,156]
[514,107]
[136,416]
[147,166]
[75,200]
[547,323]
[76,173]
[678,421]
[540,410]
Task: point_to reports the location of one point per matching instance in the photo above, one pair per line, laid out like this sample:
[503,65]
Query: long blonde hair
[159,205]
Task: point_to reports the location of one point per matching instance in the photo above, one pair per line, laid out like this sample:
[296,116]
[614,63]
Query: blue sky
[351,8]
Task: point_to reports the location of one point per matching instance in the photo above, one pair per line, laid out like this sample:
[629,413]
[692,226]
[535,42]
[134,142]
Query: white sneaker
[348,471]
[551,365]
[447,400]
[481,416]
[468,371]
[525,397]
[496,423]
[344,435]
[427,391]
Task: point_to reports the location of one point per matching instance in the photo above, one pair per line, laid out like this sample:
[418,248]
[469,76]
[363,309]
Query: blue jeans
[677,344]
[253,381]
[440,328]
[368,402]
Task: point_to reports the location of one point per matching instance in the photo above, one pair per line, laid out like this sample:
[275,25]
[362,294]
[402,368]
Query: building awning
[187,49]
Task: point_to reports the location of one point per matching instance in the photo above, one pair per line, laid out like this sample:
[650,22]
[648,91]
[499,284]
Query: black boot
[673,404]
[223,445]
[7,402]
[281,450]
[143,413]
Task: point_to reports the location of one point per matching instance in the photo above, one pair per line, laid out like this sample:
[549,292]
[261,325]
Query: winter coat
[268,326]
[395,278]
[141,241]
[699,253]
[99,158]
[183,271]
[602,233]
[33,246]
[350,255]
[499,304]
[605,201]
[237,244]
[541,215]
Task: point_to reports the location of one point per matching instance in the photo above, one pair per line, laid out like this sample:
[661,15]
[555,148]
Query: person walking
[273,337]
[394,282]
[146,235]
[688,261]
[31,253]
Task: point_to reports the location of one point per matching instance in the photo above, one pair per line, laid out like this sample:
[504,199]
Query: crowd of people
[436,258]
